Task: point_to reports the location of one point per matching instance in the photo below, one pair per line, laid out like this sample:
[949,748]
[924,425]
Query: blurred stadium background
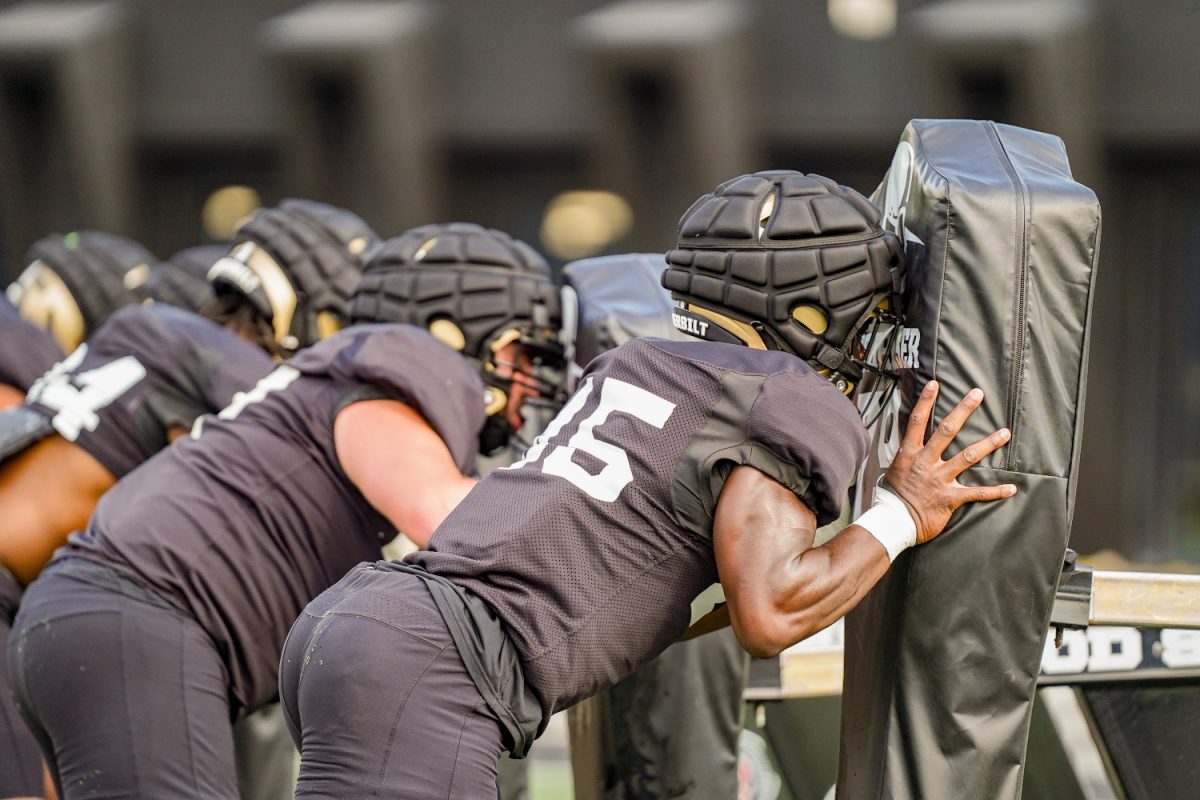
[167,119]
[587,127]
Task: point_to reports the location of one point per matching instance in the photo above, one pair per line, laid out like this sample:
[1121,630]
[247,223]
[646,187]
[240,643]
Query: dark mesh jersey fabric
[245,524]
[25,351]
[146,370]
[592,547]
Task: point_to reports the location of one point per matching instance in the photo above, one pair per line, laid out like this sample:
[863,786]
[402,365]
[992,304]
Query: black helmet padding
[93,265]
[483,281]
[821,246]
[182,280]
[320,248]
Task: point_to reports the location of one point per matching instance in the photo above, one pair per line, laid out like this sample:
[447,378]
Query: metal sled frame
[1092,609]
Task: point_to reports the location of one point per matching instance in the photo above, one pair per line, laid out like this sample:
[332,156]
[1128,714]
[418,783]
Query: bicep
[759,528]
[400,464]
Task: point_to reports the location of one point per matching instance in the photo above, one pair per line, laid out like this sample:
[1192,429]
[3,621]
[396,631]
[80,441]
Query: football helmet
[782,260]
[297,264]
[74,282]
[475,290]
[182,280]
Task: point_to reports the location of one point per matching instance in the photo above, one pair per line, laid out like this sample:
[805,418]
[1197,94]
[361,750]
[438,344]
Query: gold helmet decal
[699,321]
[327,324]
[811,317]
[448,333]
[136,276]
[44,300]
[494,401]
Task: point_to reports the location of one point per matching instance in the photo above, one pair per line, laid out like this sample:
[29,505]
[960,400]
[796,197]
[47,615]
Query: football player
[141,380]
[177,598]
[674,465]
[71,284]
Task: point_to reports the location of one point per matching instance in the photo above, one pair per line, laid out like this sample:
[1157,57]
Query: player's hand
[928,485]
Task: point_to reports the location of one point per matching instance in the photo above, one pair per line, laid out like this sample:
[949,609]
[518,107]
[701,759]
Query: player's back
[592,548]
[244,524]
[147,371]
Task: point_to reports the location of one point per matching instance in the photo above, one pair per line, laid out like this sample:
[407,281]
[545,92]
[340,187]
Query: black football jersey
[25,351]
[146,370]
[591,549]
[244,524]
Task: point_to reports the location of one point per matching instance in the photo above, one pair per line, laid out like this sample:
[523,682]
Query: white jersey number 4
[76,399]
[615,397]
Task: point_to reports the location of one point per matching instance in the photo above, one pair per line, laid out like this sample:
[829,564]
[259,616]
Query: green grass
[550,780]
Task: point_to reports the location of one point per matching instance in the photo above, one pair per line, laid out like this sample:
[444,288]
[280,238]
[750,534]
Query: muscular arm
[46,492]
[400,464]
[779,587]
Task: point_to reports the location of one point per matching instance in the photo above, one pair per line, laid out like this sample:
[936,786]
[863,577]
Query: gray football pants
[378,699]
[20,756]
[265,756]
[128,699]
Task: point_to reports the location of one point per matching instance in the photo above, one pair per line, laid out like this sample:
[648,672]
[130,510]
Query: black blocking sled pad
[611,299]
[941,658]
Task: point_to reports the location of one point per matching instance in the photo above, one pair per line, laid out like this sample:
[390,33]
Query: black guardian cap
[182,280]
[297,264]
[74,282]
[476,290]
[781,260]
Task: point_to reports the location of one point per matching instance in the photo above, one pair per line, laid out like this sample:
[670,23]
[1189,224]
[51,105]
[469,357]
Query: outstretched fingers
[982,494]
[945,432]
[914,437]
[973,454]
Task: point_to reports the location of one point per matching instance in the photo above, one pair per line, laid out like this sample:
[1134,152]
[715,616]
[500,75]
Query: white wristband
[888,521]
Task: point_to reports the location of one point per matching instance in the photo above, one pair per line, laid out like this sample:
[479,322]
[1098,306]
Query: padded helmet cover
[483,281]
[761,246]
[321,250]
[94,266]
[182,280]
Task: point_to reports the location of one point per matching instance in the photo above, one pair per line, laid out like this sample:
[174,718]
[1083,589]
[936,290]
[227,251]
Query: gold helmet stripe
[265,272]
[44,300]
[740,329]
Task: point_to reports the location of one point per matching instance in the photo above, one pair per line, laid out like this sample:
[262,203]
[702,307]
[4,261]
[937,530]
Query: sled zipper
[1024,213]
